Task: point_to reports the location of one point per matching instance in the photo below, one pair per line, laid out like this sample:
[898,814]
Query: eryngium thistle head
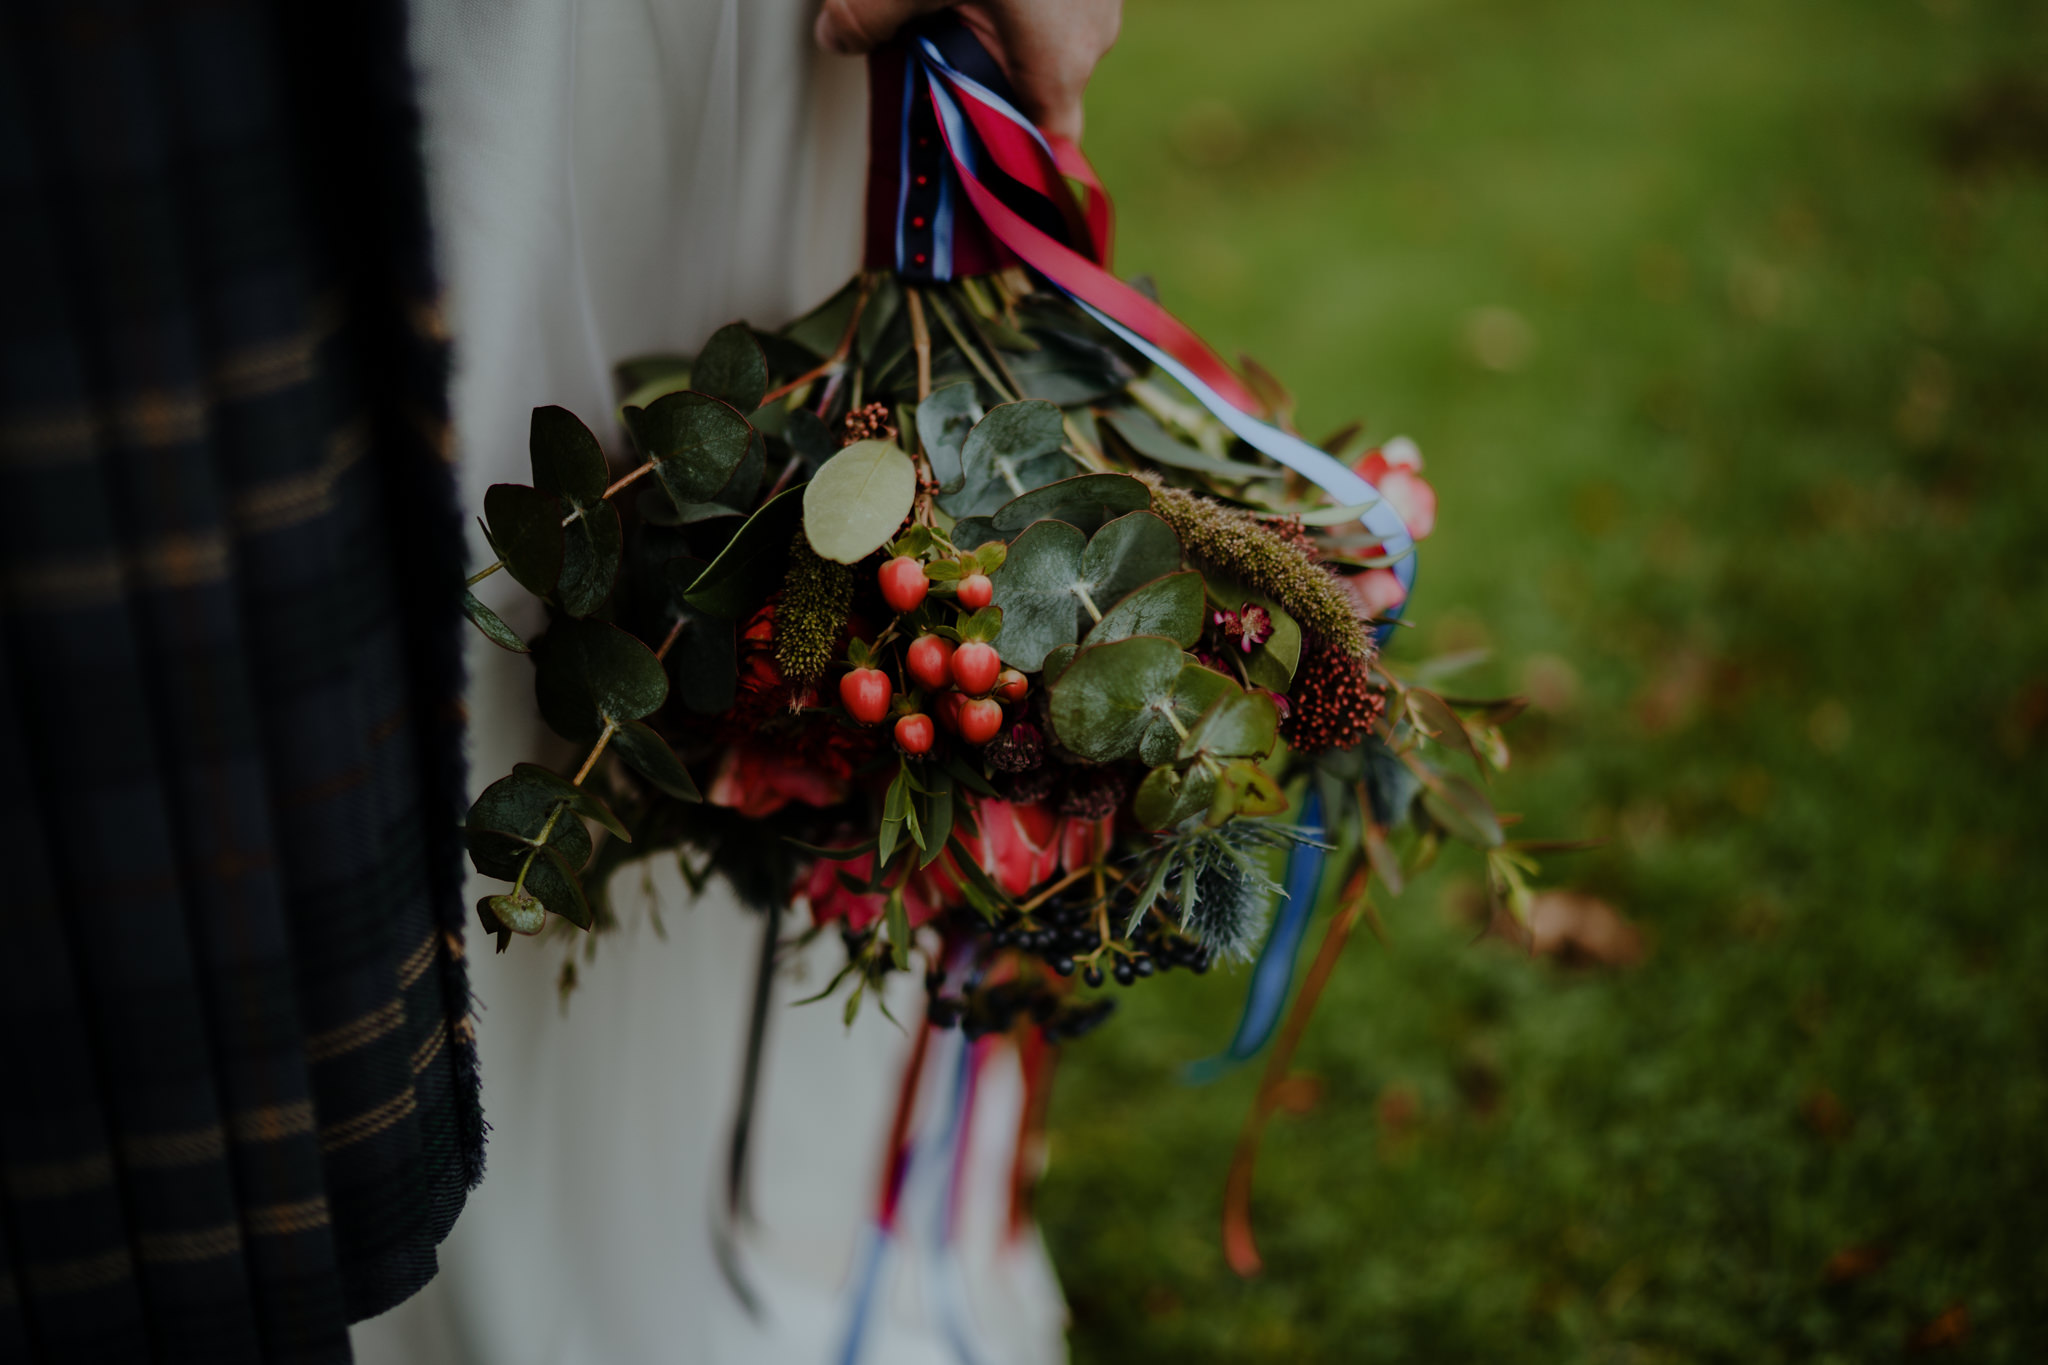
[1226,906]
[1251,548]
[817,595]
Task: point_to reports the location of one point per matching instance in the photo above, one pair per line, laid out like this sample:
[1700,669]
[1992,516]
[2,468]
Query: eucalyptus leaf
[732,367]
[971,533]
[809,439]
[858,499]
[819,330]
[526,529]
[491,624]
[1239,725]
[507,816]
[1112,696]
[1195,689]
[1053,575]
[703,666]
[1085,500]
[580,800]
[520,914]
[1148,439]
[1171,606]
[553,879]
[567,459]
[599,671]
[1012,450]
[1169,795]
[885,301]
[943,422]
[752,562]
[695,440]
[590,559]
[650,756]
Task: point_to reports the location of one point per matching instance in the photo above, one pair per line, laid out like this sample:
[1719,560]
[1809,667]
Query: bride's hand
[1048,48]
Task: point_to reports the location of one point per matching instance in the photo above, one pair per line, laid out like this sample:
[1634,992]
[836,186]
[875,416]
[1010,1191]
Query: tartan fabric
[238,1103]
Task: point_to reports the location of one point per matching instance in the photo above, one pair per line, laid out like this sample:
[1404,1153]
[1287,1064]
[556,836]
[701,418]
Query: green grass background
[1724,328]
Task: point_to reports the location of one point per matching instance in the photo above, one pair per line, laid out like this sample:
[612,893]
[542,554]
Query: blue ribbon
[1273,973]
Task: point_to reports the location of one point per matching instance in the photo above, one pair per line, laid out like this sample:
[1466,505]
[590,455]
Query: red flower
[1084,843]
[832,899]
[1395,470]
[1377,591]
[1250,625]
[757,782]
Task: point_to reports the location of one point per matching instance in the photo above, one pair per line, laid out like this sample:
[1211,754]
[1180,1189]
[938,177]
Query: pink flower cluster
[1395,469]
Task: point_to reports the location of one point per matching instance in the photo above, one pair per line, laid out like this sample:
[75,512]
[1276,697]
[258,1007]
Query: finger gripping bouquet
[983,612]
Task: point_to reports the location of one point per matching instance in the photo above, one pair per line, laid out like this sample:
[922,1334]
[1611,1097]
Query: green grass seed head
[1265,557]
[817,594]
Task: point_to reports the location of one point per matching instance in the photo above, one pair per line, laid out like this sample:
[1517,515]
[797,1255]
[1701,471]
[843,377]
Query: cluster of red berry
[964,684]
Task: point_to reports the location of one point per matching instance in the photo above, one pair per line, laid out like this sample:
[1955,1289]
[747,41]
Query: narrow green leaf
[752,563]
[650,756]
[494,628]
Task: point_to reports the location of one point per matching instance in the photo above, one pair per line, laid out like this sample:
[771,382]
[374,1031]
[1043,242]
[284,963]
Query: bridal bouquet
[984,614]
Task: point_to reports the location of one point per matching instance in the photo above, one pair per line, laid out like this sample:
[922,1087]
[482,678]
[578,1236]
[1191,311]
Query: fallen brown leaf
[1583,930]
[1952,1328]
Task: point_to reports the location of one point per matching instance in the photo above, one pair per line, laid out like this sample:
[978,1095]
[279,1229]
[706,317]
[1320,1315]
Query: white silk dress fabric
[611,178]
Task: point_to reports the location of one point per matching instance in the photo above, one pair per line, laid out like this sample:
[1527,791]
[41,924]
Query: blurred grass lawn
[1725,331]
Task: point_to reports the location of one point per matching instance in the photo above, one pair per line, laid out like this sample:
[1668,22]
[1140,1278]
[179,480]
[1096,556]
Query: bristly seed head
[1259,552]
[817,596]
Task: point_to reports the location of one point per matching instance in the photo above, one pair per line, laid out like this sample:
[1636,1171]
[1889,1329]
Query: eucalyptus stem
[625,480]
[833,361]
[921,342]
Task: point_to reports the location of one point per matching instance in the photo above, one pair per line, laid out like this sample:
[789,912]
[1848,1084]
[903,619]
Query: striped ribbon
[1000,194]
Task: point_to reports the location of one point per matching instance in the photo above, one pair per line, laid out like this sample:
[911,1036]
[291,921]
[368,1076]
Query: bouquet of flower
[984,613]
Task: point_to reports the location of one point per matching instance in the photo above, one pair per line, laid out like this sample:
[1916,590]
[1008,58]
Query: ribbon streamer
[1273,973]
[1015,181]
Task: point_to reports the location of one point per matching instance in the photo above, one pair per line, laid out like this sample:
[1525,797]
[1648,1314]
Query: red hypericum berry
[866,694]
[975,666]
[979,719]
[903,583]
[975,591]
[914,733]
[1011,685]
[946,706]
[930,661]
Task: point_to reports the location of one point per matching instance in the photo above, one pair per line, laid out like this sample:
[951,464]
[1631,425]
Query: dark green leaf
[567,460]
[650,756]
[1035,589]
[943,421]
[526,528]
[1109,695]
[1085,501]
[590,560]
[1195,690]
[819,330]
[509,814]
[858,499]
[1168,796]
[752,563]
[489,622]
[590,672]
[695,440]
[810,439]
[971,533]
[1011,451]
[581,800]
[552,877]
[732,367]
[1055,664]
[519,914]
[1171,606]
[703,665]
[885,301]
[1135,548]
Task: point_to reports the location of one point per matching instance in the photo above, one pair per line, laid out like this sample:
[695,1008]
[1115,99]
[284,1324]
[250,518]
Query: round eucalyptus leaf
[520,914]
[1110,695]
[590,560]
[526,528]
[1133,549]
[598,671]
[553,879]
[1238,725]
[1011,451]
[1086,501]
[858,499]
[1194,690]
[695,440]
[1035,588]
[567,459]
[1171,606]
[943,421]
[581,800]
[732,367]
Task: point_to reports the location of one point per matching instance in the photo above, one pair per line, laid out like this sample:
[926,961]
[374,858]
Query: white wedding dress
[610,178]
